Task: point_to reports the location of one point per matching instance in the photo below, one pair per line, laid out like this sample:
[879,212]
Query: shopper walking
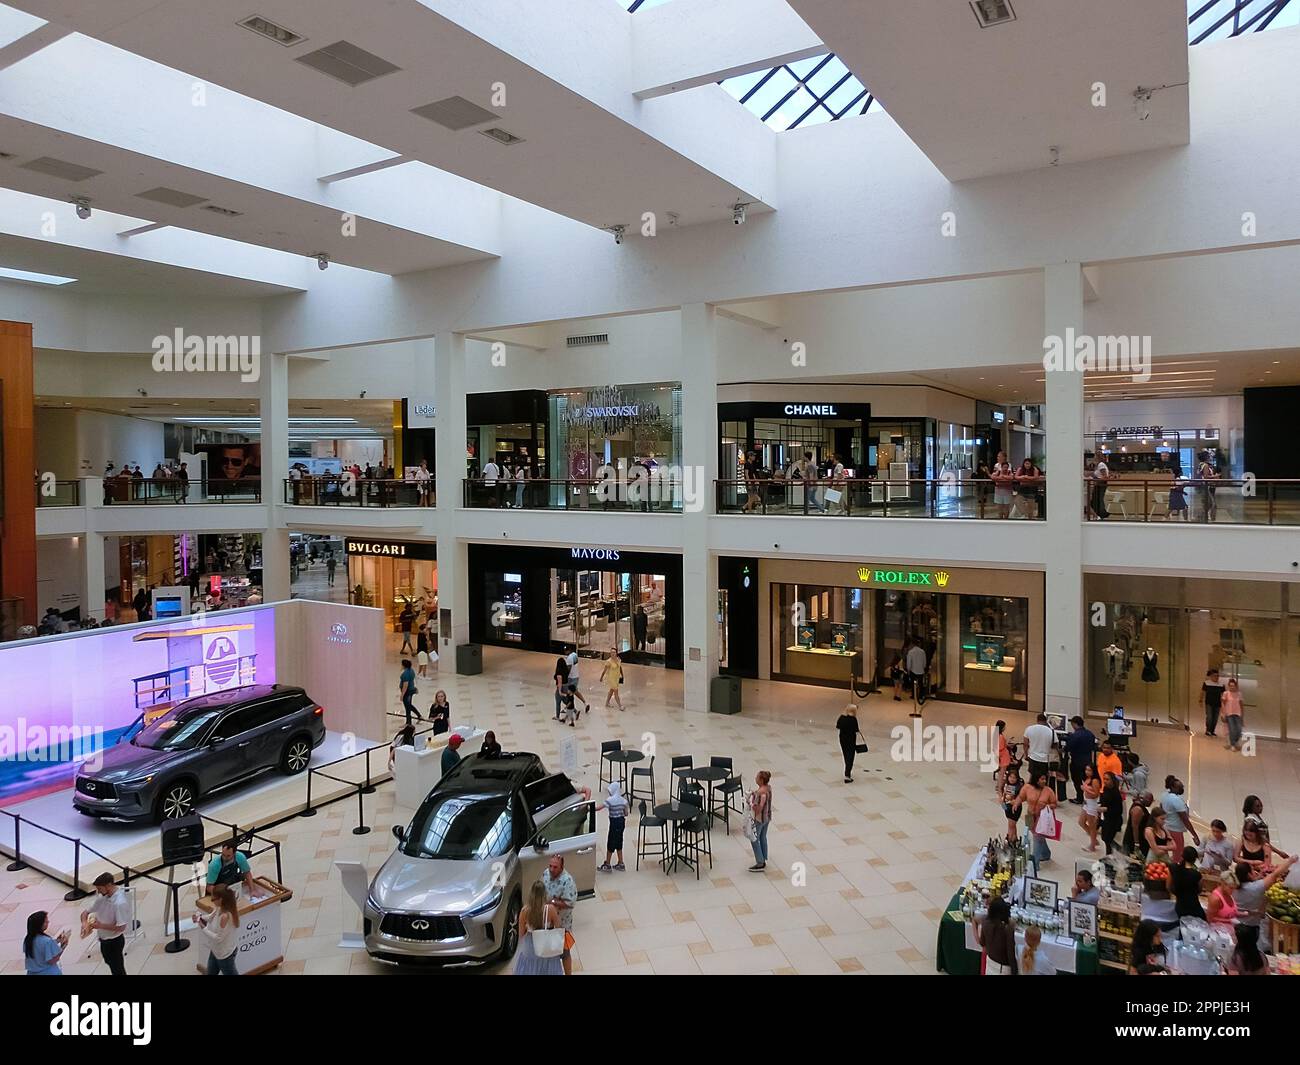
[897,667]
[760,808]
[1088,819]
[1112,811]
[41,951]
[1212,700]
[406,690]
[571,684]
[917,670]
[331,564]
[849,731]
[1038,738]
[538,914]
[839,485]
[1100,475]
[1038,801]
[221,930]
[997,936]
[1178,817]
[491,475]
[1135,828]
[1004,756]
[521,478]
[561,678]
[405,620]
[611,675]
[1081,747]
[562,892]
[1230,709]
[640,625]
[109,917]
[1003,477]
[1206,475]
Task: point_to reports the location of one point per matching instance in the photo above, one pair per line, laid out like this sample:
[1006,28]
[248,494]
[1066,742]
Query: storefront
[591,597]
[1153,639]
[615,425]
[824,622]
[392,574]
[508,428]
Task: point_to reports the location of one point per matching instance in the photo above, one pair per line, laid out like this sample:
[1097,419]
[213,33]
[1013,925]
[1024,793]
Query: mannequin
[1114,660]
[1150,663]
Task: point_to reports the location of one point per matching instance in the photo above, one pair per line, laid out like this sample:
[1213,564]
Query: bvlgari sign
[416,549]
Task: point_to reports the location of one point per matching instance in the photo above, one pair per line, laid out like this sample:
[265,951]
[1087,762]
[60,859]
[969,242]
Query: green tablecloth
[952,957]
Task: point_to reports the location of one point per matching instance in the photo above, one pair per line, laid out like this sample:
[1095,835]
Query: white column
[700,462]
[92,570]
[449,476]
[273,394]
[1063,654]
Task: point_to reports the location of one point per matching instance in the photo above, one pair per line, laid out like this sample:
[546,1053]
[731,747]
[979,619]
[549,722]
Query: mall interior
[720,371]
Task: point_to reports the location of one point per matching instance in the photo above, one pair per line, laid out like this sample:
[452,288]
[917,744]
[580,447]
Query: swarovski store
[824,622]
[590,597]
[1153,639]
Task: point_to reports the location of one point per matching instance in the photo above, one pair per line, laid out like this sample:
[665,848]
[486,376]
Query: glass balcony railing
[880,498]
[657,495]
[1220,501]
[170,491]
[339,491]
[58,493]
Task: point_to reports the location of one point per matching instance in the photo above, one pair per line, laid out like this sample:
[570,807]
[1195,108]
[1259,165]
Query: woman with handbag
[612,675]
[760,818]
[541,939]
[849,733]
[1039,802]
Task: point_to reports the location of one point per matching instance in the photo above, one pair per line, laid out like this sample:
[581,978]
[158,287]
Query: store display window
[600,610]
[817,633]
[994,647]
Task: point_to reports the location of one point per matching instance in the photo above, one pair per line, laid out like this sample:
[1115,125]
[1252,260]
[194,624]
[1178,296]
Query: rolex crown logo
[941,578]
[864,574]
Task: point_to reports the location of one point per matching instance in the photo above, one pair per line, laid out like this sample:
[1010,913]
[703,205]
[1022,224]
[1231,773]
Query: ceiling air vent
[347,63]
[60,169]
[455,113]
[221,210]
[171,197]
[269,29]
[586,341]
[501,136]
[992,12]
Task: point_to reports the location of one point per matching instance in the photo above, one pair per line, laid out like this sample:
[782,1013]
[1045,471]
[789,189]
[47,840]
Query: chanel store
[590,597]
[824,622]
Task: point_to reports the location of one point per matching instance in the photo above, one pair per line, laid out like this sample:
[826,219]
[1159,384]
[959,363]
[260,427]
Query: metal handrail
[654,494]
[885,497]
[1195,500]
[346,491]
[169,491]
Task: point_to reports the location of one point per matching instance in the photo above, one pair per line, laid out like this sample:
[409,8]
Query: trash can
[724,695]
[469,659]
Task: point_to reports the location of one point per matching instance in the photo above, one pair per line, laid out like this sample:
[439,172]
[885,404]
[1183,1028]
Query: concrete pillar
[92,572]
[700,464]
[1063,654]
[449,475]
[273,394]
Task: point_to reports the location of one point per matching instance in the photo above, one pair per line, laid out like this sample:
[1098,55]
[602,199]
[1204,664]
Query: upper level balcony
[345,490]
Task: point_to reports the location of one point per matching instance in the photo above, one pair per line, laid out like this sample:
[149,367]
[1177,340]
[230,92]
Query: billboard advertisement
[62,700]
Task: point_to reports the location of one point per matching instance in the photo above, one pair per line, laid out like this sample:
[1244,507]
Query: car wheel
[510,933]
[296,755]
[177,800]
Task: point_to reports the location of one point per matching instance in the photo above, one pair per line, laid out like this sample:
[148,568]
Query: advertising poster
[231,466]
[54,716]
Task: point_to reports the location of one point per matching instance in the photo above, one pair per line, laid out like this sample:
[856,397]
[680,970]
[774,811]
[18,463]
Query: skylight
[10,274]
[1214,20]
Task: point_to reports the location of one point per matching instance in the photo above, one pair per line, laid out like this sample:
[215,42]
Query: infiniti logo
[338,634]
[420,926]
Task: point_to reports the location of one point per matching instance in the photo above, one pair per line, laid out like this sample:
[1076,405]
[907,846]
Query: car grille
[96,789]
[422,926]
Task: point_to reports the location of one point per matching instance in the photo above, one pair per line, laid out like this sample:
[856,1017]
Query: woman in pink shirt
[1230,711]
[1222,908]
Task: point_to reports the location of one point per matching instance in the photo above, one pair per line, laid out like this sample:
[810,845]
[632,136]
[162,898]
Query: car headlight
[373,903]
[135,785]
[489,904]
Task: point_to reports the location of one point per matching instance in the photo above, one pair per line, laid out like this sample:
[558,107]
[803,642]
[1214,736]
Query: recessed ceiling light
[271,31]
[35,278]
[992,12]
[501,136]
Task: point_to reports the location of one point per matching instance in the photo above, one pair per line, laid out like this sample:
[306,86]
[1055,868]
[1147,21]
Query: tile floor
[859,872]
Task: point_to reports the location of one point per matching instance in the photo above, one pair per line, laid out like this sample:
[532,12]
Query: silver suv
[452,890]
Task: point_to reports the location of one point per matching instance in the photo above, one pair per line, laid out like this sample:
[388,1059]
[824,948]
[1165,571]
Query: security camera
[363,393]
[322,260]
[738,213]
[618,232]
[83,206]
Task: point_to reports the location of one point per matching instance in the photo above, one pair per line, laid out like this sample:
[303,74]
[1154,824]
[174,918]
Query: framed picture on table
[1040,893]
[1082,918]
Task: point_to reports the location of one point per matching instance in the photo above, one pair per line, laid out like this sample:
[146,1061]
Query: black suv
[200,746]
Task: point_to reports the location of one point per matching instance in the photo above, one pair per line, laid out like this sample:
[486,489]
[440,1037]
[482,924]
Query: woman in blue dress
[538,913]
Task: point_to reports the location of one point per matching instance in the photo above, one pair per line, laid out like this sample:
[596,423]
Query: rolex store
[981,629]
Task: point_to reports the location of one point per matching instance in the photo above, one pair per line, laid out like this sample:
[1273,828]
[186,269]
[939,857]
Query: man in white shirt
[109,917]
[838,483]
[491,474]
[1039,737]
[1100,475]
[917,666]
[423,482]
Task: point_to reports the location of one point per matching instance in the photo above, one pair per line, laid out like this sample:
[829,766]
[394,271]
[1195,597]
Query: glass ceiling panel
[821,89]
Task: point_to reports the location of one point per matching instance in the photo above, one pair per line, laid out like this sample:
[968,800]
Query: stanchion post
[177,944]
[369,788]
[76,894]
[362,828]
[17,864]
[310,811]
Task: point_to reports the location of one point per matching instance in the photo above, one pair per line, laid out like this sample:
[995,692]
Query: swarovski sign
[610,409]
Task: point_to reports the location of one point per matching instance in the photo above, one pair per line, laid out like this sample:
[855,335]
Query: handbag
[548,942]
[861,748]
[749,826]
[1047,824]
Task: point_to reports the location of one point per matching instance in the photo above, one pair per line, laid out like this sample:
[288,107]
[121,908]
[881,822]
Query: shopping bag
[833,495]
[548,942]
[1047,825]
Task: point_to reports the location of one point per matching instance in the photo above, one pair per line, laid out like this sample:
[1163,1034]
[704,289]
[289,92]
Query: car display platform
[265,799]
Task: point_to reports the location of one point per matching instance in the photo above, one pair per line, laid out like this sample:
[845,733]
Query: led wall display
[62,700]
